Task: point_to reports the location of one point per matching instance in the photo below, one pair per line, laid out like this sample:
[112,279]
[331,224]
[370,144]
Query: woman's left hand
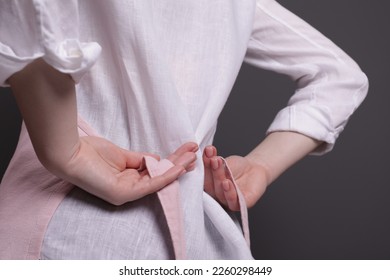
[250,177]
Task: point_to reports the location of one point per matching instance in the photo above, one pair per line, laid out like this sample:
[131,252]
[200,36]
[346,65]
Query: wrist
[280,150]
[58,158]
[259,163]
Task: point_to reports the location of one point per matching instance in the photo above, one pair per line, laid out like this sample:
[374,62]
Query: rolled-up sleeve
[329,84]
[47,29]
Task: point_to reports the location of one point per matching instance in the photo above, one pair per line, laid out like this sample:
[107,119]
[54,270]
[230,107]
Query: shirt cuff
[308,121]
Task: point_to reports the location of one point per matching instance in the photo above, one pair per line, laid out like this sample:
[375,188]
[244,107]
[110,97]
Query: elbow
[361,84]
[355,81]
[360,78]
[365,84]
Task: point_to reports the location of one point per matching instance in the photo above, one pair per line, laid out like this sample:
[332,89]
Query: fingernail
[214,163]
[209,151]
[195,147]
[225,186]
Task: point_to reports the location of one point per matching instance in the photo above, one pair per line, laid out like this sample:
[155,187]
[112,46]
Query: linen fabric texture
[152,75]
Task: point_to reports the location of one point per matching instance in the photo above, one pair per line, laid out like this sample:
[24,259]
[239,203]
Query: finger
[208,153]
[219,175]
[191,166]
[187,160]
[186,147]
[151,185]
[133,159]
[231,195]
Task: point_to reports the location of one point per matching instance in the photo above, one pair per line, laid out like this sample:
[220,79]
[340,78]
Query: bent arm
[329,84]
[329,88]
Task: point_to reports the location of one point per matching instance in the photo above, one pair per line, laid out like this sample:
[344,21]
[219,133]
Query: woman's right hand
[117,175]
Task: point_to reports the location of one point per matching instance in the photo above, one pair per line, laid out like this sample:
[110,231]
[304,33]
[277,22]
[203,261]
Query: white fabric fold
[41,29]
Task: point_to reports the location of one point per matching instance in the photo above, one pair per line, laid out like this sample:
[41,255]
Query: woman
[150,79]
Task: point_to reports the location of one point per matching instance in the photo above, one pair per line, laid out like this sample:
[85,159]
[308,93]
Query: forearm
[47,101]
[280,150]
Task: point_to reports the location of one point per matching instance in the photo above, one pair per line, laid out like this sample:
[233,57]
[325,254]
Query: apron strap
[241,202]
[171,204]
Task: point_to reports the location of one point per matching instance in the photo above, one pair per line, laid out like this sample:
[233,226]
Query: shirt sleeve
[47,29]
[329,84]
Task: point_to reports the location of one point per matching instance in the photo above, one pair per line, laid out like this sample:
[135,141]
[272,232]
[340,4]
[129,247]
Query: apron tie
[241,202]
[170,200]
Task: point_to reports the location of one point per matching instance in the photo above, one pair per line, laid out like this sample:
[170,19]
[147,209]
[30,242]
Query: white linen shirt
[152,75]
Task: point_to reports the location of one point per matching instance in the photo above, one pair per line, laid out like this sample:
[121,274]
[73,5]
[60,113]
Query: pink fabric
[171,203]
[241,202]
[28,199]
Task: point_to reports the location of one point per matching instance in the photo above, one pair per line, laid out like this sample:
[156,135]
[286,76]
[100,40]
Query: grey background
[332,207]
